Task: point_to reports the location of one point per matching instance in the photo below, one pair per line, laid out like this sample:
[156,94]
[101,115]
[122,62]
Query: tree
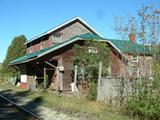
[87,59]
[143,100]
[16,49]
[146,25]
[0,69]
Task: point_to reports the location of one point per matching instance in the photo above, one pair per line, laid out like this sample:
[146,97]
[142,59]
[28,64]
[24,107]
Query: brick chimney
[132,37]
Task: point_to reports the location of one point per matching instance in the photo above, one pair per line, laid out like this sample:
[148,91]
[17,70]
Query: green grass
[70,105]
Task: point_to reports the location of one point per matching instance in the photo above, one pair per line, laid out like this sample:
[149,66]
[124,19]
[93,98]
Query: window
[42,45]
[30,49]
[56,38]
[134,58]
[135,71]
[92,50]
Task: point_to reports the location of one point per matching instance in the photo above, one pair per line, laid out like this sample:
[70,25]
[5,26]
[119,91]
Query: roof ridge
[63,24]
[127,40]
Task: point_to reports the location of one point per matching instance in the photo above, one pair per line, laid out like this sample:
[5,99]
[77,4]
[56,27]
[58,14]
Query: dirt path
[34,106]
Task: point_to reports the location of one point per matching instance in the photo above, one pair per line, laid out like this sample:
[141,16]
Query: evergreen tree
[16,49]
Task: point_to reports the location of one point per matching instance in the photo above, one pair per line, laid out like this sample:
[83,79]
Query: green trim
[122,46]
[31,55]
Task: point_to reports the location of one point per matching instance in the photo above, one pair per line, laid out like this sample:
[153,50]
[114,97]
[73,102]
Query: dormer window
[56,38]
[92,50]
[135,58]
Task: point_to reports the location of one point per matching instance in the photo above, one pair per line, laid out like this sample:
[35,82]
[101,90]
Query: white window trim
[56,38]
[30,49]
[42,45]
[138,71]
[92,50]
[135,59]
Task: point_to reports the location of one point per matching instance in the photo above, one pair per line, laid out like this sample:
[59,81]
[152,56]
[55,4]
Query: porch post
[99,81]
[44,78]
[23,78]
[75,79]
[60,64]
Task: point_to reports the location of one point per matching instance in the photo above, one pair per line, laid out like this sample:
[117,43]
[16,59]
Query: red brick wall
[35,47]
[115,64]
[23,85]
[48,43]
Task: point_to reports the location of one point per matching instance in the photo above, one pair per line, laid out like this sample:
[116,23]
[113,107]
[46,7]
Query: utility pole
[75,78]
[99,78]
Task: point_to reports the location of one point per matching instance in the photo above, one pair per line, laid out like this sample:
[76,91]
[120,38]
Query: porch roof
[31,56]
[123,46]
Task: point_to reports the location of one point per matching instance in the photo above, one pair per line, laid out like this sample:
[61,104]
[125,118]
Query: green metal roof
[29,56]
[123,45]
[126,46]
[91,36]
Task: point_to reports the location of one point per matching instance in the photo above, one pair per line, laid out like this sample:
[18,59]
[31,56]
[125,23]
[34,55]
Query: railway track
[11,111]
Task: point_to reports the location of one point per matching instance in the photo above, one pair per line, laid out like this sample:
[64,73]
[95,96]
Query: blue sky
[32,17]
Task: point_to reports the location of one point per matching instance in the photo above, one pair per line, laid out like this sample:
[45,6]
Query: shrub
[92,90]
[144,102]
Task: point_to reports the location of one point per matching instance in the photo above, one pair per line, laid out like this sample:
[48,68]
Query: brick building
[53,53]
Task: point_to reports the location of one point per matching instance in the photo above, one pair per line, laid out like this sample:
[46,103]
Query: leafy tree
[87,59]
[16,49]
[143,100]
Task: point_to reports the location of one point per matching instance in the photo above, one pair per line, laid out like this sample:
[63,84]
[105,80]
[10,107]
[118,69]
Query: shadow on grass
[19,98]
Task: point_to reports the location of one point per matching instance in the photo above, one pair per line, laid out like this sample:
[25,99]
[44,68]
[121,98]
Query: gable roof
[64,24]
[32,56]
[120,45]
